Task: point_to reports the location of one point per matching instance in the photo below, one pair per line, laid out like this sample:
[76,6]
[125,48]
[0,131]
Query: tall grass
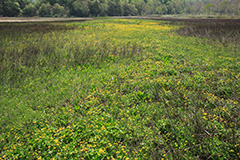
[227,33]
[45,46]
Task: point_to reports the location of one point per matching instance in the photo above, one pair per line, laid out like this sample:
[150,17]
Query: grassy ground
[117,89]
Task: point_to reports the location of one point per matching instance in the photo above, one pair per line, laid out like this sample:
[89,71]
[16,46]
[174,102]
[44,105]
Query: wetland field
[120,89]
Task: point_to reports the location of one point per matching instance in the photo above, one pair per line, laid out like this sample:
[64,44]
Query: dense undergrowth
[117,89]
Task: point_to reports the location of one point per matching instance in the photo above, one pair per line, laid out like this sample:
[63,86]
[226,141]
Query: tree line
[92,8]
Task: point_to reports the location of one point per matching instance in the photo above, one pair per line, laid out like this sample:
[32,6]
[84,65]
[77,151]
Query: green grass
[116,89]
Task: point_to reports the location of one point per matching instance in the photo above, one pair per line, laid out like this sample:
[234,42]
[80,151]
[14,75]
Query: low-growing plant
[117,89]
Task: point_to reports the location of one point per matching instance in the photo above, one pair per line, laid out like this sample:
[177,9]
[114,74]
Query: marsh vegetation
[119,89]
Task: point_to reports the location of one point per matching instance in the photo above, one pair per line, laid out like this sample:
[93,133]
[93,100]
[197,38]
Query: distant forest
[93,8]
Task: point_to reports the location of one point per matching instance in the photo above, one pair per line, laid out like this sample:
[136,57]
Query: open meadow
[119,89]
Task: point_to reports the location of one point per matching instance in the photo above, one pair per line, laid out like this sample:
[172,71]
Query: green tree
[52,2]
[129,9]
[94,7]
[80,8]
[10,8]
[66,3]
[23,3]
[140,6]
[152,6]
[115,8]
[30,10]
[162,9]
[45,10]
[178,6]
[103,9]
[208,8]
[57,10]
[222,7]
[1,8]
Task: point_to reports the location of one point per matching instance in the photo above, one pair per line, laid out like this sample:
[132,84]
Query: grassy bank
[117,89]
